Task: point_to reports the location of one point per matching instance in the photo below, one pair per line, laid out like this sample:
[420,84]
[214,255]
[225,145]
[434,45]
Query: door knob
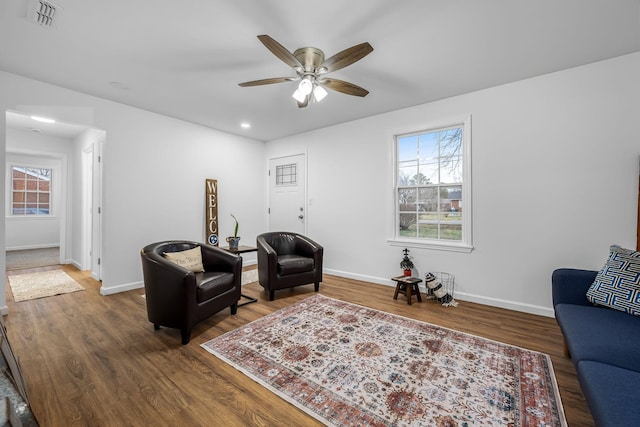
[300,216]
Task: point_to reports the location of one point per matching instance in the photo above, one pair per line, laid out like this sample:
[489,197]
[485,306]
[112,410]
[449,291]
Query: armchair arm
[267,260]
[307,247]
[569,286]
[216,259]
[170,289]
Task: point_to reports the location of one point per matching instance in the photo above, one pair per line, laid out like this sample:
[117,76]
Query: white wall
[24,147]
[154,173]
[555,170]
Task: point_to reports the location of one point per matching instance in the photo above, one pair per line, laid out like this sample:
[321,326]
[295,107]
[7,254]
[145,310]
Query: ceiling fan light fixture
[299,96]
[319,93]
[306,86]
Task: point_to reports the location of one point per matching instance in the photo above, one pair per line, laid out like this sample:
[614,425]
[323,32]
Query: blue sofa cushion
[617,285]
[612,393]
[600,334]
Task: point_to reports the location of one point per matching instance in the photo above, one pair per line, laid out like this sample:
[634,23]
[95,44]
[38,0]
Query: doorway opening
[69,229]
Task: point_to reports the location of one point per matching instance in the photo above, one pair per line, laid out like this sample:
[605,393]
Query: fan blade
[280,51]
[344,87]
[267,81]
[346,57]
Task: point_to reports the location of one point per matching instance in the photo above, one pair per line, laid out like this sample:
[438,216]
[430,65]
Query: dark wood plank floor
[92,360]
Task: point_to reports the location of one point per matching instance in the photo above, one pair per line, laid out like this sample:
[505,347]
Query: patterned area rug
[348,365]
[249,276]
[42,284]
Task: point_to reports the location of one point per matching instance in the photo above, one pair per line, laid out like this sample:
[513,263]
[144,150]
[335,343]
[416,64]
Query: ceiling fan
[311,68]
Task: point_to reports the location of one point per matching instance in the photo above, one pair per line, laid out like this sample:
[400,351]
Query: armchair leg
[156,327]
[272,295]
[234,308]
[316,286]
[186,336]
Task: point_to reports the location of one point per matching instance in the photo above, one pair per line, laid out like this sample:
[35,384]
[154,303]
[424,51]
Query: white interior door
[287,207]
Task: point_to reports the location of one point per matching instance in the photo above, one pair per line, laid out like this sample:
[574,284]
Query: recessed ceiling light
[43,119]
[245,125]
[119,85]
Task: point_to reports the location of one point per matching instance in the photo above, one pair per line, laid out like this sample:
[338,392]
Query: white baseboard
[22,248]
[462,296]
[75,263]
[121,288]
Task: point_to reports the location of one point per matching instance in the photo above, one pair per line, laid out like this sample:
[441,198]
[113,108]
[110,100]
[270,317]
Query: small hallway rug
[348,365]
[42,284]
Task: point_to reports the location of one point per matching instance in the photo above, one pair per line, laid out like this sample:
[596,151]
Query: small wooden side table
[407,285]
[242,250]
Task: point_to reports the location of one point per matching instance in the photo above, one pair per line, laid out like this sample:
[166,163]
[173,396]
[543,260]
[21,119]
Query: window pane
[406,173]
[407,148]
[451,199]
[428,154]
[428,231]
[428,199]
[407,225]
[286,174]
[451,231]
[32,197]
[19,184]
[407,199]
[451,155]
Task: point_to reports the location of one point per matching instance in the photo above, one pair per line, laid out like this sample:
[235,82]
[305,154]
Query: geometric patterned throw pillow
[617,285]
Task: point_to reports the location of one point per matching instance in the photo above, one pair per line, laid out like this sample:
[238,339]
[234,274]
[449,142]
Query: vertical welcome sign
[211,203]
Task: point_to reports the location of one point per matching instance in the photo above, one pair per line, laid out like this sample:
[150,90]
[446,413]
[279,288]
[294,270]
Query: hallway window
[30,191]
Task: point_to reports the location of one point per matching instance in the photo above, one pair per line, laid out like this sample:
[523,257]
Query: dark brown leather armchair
[286,260]
[179,298]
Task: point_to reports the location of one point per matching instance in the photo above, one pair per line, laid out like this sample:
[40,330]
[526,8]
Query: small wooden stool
[407,285]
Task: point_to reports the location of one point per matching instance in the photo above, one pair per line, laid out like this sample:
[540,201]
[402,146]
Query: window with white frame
[432,188]
[30,191]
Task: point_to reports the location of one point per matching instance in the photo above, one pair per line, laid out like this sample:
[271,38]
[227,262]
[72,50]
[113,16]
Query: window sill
[29,217]
[432,244]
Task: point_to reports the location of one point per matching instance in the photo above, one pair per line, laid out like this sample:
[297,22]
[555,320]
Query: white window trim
[466,245]
[53,214]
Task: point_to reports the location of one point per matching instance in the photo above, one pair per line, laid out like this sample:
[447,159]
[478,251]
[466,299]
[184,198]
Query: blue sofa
[604,346]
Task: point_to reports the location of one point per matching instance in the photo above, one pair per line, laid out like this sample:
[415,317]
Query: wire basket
[440,287]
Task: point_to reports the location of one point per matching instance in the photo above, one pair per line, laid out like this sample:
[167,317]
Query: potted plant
[406,264]
[233,240]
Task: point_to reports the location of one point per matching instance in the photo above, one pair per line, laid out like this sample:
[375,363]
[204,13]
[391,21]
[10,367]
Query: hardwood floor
[93,360]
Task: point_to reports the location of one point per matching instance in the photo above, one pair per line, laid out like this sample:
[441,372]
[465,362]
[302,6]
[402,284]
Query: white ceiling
[185,58]
[24,122]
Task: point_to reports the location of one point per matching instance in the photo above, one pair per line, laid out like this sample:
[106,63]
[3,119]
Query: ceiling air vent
[43,12]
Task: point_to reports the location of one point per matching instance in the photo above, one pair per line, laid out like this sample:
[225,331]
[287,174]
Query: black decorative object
[406,264]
